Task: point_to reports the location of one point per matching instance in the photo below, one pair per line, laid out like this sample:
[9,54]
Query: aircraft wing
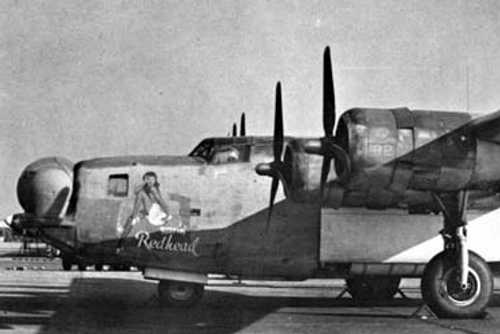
[486,128]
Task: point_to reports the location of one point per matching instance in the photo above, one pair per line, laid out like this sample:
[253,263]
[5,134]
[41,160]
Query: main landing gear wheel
[179,294]
[441,289]
[366,289]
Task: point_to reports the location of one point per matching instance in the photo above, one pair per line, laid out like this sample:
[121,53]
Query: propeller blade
[274,168]
[278,125]
[243,125]
[235,130]
[274,190]
[328,95]
[325,170]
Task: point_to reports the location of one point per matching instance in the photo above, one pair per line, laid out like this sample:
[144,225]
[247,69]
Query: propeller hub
[314,146]
[265,169]
[271,169]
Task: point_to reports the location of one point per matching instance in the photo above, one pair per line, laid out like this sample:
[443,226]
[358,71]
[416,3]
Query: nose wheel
[179,294]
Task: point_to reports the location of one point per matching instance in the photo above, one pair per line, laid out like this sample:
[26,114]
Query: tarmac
[44,301]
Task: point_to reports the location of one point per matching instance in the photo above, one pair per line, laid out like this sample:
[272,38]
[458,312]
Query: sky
[84,79]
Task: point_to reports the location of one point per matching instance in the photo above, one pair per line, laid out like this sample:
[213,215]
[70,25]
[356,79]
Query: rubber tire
[435,292]
[372,288]
[67,263]
[82,266]
[98,267]
[167,290]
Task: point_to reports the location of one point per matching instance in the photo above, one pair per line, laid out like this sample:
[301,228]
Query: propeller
[243,125]
[328,95]
[328,115]
[274,168]
[234,129]
[327,146]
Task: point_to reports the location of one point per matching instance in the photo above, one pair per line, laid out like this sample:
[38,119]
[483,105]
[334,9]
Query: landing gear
[120,267]
[366,289]
[67,263]
[456,283]
[179,294]
[442,290]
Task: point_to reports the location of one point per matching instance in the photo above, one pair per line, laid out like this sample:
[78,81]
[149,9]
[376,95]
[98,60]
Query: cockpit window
[225,154]
[221,150]
[118,185]
[204,150]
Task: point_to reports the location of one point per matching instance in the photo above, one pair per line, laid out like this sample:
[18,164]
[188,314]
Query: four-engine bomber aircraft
[179,218]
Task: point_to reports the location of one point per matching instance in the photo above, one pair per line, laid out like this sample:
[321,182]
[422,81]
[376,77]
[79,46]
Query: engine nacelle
[394,151]
[393,154]
[302,173]
[395,158]
[486,172]
[45,186]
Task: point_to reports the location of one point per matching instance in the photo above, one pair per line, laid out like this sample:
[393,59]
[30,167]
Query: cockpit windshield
[204,150]
[221,153]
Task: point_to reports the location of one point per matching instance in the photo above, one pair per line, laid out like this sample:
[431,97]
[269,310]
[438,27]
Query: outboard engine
[44,188]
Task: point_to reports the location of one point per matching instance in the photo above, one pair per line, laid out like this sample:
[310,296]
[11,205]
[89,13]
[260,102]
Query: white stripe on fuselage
[483,236]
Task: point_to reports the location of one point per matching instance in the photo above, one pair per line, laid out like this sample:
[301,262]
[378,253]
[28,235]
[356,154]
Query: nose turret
[44,187]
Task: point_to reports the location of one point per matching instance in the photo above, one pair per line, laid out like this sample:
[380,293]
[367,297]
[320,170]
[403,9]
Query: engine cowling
[301,172]
[393,155]
[394,151]
[45,186]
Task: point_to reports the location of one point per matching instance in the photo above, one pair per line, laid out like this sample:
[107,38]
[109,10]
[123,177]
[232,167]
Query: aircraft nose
[45,186]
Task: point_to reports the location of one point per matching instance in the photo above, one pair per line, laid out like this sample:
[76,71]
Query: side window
[118,185]
[225,154]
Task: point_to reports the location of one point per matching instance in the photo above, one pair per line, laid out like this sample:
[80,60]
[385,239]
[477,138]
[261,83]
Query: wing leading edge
[486,127]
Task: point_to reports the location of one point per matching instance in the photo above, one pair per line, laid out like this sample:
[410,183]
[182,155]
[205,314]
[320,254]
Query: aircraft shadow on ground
[107,305]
